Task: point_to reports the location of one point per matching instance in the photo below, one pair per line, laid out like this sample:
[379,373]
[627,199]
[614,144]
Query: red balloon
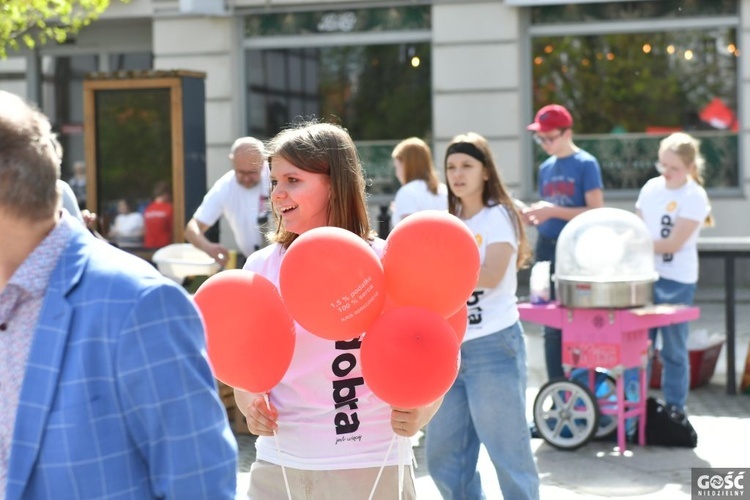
[249,332]
[332,282]
[431,260]
[460,321]
[409,357]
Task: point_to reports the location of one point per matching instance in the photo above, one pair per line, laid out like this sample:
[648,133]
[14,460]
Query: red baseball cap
[551,117]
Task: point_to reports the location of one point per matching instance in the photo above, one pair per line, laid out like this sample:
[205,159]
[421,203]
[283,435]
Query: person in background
[569,182]
[674,206]
[241,196]
[157,218]
[487,402]
[78,183]
[326,446]
[127,229]
[105,386]
[69,201]
[421,189]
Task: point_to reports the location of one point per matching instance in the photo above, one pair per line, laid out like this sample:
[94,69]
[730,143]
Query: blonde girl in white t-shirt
[674,206]
[487,402]
[334,433]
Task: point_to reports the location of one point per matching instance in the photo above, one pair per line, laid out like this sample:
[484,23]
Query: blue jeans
[486,405]
[545,250]
[675,376]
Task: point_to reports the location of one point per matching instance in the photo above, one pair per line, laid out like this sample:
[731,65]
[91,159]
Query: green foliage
[397,94]
[629,82]
[134,143]
[35,22]
[628,90]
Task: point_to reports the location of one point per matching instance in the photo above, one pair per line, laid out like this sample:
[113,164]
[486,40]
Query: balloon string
[380,472]
[401,457]
[278,450]
[405,455]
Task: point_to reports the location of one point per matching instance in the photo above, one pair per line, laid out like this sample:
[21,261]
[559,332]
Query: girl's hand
[261,420]
[407,422]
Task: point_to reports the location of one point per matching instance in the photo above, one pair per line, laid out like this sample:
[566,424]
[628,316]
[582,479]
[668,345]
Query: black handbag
[665,428]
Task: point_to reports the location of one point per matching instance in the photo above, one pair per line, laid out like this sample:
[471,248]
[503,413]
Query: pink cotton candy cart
[567,413]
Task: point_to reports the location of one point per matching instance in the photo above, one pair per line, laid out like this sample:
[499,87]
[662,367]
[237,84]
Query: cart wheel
[605,388]
[566,414]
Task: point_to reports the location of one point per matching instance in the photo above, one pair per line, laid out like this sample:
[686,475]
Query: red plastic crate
[702,366]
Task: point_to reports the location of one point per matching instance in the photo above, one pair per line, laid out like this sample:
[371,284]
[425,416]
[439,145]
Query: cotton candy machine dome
[605,258]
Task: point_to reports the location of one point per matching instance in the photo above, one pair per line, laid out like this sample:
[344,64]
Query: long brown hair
[494,192]
[416,157]
[325,148]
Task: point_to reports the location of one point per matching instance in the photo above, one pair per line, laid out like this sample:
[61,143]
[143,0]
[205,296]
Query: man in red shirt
[158,218]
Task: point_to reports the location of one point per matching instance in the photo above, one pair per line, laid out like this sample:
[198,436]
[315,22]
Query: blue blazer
[118,400]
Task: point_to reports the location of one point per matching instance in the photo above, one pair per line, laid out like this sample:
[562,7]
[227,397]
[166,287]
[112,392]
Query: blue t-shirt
[564,182]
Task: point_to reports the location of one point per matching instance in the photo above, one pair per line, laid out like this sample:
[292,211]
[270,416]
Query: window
[13,75]
[617,10]
[62,94]
[376,85]
[627,87]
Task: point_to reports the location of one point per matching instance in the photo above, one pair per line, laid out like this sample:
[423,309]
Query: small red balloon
[250,335]
[431,260]
[410,357]
[333,283]
[459,322]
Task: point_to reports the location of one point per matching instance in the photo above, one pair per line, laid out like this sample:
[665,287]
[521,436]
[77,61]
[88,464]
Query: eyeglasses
[546,140]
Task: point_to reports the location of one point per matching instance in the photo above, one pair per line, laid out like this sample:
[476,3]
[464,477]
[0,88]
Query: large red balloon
[249,332]
[431,260]
[460,321]
[332,282]
[410,357]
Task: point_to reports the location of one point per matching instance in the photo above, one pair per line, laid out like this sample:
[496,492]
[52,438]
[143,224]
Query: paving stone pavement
[597,470]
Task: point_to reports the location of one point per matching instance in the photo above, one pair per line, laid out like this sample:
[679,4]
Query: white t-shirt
[493,309]
[414,196]
[326,421]
[69,202]
[660,208]
[127,229]
[239,205]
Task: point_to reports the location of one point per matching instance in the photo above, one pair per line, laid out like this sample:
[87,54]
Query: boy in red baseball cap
[551,117]
[569,182]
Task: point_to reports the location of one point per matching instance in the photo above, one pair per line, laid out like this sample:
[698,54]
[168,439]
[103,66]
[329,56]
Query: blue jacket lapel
[43,366]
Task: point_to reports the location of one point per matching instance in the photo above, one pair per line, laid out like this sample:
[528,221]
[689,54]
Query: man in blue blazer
[105,388]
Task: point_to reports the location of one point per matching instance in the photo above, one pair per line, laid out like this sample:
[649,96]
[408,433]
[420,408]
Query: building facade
[630,71]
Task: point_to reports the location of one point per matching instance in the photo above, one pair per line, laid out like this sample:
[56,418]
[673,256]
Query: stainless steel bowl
[605,294]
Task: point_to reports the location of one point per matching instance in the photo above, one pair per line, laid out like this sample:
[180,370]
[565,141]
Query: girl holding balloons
[487,402]
[322,433]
